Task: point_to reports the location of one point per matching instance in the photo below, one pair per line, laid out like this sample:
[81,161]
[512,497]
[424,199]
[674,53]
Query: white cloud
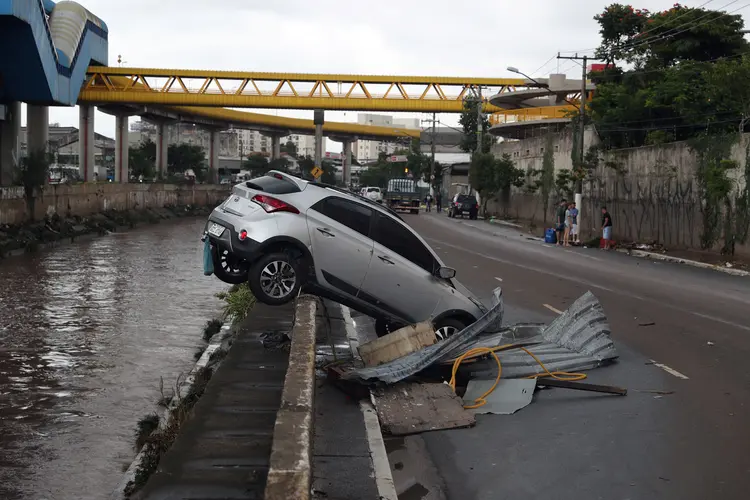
[439,37]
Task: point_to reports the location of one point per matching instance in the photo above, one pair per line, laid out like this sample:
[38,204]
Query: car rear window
[273,185]
[373,190]
[466,199]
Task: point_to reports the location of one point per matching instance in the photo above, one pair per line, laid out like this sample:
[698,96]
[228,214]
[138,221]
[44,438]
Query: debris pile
[492,369]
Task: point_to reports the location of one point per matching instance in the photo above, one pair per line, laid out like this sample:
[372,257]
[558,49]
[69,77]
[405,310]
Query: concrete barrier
[290,471]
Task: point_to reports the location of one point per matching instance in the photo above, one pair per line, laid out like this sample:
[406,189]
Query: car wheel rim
[278,279]
[445,332]
[231,265]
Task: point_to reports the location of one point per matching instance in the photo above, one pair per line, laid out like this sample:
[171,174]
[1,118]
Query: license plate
[216,230]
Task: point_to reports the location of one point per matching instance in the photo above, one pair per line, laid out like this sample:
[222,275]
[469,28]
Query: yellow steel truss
[528,114]
[113,85]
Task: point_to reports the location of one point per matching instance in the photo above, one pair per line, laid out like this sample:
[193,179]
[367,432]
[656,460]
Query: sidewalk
[223,450]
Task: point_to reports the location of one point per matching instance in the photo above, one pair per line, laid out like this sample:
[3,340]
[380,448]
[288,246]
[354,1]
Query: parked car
[282,234]
[464,204]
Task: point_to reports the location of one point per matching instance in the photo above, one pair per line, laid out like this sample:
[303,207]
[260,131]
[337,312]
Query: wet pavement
[86,332]
[679,330]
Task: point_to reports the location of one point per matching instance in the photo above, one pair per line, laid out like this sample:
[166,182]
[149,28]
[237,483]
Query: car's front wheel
[275,279]
[229,268]
[448,327]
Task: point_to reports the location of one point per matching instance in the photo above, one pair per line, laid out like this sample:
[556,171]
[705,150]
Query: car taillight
[476,206]
[243,235]
[272,205]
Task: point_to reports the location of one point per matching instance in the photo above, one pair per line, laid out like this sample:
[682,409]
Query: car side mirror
[446,273]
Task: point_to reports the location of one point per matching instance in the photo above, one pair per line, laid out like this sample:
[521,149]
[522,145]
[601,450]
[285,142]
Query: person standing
[428,202]
[568,224]
[438,202]
[574,223]
[607,229]
[560,221]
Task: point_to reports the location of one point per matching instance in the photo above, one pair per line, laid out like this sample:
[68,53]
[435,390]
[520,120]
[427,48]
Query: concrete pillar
[10,130]
[162,147]
[86,149]
[213,157]
[37,134]
[556,82]
[122,166]
[275,147]
[347,163]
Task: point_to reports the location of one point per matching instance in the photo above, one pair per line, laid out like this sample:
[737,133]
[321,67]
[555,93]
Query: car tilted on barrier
[282,234]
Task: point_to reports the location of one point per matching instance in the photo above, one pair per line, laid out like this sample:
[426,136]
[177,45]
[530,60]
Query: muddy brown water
[86,332]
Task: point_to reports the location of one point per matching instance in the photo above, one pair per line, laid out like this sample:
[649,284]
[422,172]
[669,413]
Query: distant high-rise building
[370,150]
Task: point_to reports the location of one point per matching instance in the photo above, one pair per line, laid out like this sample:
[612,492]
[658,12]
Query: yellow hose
[478,351]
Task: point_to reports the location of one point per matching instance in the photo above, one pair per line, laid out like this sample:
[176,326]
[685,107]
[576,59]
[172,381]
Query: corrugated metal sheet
[578,339]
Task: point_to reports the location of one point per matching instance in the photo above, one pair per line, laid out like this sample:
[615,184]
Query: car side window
[394,236]
[353,215]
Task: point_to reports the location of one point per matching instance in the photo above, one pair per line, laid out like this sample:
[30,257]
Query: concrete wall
[91,198]
[652,194]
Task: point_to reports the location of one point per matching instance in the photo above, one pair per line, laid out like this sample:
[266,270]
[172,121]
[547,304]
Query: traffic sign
[396,159]
[316,172]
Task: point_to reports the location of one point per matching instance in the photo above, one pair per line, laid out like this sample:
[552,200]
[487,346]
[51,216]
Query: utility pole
[480,116]
[582,118]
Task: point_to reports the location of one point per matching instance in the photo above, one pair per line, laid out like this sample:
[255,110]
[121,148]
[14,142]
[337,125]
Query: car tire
[227,268]
[448,327]
[270,282]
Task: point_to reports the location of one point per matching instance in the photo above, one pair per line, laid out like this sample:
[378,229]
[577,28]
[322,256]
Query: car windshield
[373,190]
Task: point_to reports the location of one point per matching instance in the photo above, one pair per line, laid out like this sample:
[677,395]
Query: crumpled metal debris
[578,339]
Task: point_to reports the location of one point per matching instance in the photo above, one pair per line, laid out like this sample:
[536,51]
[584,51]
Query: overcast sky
[408,37]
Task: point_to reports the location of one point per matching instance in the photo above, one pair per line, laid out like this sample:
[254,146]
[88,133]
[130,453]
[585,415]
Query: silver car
[282,234]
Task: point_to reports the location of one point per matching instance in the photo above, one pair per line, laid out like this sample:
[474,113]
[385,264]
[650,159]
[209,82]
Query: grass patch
[239,301]
[146,426]
[159,441]
[212,328]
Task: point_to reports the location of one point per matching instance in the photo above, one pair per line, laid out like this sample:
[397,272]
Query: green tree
[257,164]
[281,164]
[33,173]
[183,157]
[289,148]
[468,121]
[484,178]
[142,159]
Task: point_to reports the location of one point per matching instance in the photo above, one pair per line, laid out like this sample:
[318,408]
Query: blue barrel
[550,236]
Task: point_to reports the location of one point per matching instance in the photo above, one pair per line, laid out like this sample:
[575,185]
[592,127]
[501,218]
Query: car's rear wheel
[446,328]
[275,279]
[228,268]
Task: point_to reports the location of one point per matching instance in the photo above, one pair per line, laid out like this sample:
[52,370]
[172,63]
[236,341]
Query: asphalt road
[677,328]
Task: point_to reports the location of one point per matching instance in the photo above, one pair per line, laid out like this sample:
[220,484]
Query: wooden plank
[409,408]
[397,344]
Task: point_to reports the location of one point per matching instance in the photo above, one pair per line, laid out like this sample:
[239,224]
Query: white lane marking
[499,279]
[554,310]
[671,371]
[378,455]
[583,255]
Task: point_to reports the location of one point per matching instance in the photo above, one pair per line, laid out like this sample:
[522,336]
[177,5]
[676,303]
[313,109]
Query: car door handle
[326,231]
[386,260]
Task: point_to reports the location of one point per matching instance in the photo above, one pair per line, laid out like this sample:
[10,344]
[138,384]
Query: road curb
[290,470]
[668,258]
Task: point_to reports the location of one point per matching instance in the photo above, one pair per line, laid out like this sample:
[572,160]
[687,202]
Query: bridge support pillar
[213,156]
[86,145]
[346,164]
[10,130]
[275,147]
[161,150]
[37,118]
[122,166]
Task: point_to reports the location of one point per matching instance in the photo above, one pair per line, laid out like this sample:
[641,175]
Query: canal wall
[82,200]
[653,193]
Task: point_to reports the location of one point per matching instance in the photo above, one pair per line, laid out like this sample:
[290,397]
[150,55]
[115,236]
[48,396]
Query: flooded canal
[86,332]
